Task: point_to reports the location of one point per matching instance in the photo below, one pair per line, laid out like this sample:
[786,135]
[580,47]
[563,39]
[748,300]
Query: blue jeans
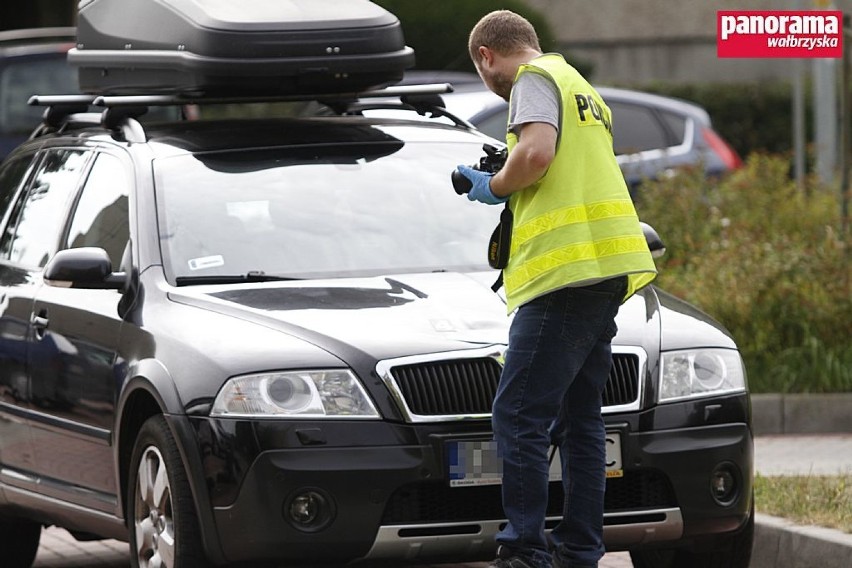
[550,391]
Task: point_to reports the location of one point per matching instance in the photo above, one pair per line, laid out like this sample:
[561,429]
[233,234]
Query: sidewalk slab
[779,543]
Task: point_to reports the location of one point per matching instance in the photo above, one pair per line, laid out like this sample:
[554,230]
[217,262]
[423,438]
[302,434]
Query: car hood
[410,314]
[385,317]
[683,326]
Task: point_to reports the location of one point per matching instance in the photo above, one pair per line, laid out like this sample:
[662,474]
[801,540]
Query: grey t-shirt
[534,99]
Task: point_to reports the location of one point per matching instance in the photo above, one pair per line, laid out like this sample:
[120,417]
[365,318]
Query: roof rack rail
[190,99]
[65,110]
[431,105]
[121,111]
[60,107]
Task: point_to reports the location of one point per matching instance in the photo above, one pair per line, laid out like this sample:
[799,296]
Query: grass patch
[807,500]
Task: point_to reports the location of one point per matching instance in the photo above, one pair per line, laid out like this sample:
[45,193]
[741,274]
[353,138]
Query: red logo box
[779,33]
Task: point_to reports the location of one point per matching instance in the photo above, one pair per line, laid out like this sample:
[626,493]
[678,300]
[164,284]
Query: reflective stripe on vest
[569,216]
[575,254]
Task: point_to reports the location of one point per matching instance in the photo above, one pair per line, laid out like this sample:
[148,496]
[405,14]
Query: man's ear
[486,56]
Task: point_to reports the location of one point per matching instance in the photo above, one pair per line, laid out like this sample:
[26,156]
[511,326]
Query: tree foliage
[438,31]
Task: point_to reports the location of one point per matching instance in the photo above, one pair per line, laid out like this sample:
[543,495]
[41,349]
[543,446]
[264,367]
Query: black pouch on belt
[501,240]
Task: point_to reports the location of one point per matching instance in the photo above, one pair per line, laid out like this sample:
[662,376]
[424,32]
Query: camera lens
[461,184]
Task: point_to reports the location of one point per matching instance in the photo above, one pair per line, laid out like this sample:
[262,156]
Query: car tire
[732,552]
[160,510]
[18,542]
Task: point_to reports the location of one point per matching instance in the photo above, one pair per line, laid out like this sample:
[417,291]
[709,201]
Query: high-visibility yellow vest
[577,224]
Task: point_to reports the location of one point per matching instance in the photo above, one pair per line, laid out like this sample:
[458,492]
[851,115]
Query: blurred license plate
[475,462]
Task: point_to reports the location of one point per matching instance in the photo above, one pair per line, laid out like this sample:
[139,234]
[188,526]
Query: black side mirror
[86,267]
[655,243]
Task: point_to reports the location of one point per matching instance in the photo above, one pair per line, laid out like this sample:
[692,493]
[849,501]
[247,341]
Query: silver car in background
[653,135]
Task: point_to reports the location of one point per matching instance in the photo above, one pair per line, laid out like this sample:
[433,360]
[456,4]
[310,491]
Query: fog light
[724,485]
[309,510]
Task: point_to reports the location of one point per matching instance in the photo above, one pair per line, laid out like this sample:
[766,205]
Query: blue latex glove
[481,190]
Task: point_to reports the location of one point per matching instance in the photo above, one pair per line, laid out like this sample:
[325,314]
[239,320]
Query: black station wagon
[274,341]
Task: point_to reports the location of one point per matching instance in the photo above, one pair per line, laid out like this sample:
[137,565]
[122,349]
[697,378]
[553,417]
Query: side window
[38,223]
[677,125]
[635,129]
[12,175]
[494,125]
[101,219]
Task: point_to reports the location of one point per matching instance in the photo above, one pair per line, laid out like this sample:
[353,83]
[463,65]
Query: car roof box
[230,48]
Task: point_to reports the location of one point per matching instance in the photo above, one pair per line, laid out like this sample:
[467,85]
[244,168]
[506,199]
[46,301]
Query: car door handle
[39,323]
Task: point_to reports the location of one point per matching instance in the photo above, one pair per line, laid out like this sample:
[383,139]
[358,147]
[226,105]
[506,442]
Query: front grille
[460,386]
[623,384]
[467,386]
[436,502]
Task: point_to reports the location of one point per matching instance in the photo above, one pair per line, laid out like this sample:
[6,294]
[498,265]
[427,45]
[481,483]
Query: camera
[492,162]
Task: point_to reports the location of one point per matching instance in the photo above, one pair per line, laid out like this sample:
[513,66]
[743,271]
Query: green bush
[769,262]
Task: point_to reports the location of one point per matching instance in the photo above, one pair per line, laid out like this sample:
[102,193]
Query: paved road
[774,455]
[60,550]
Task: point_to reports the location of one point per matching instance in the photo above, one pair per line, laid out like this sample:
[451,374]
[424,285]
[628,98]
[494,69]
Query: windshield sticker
[206,262]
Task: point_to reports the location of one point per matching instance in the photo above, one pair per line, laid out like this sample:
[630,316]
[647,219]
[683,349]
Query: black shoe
[506,559]
[557,563]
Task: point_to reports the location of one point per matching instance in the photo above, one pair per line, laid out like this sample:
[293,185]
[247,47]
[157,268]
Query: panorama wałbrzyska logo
[779,33]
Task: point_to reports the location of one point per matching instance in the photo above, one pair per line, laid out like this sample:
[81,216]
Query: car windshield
[318,212]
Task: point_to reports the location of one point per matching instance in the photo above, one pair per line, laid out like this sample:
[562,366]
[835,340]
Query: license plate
[475,462]
[614,466]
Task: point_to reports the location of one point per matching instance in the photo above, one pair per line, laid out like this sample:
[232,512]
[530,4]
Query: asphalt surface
[778,543]
[60,550]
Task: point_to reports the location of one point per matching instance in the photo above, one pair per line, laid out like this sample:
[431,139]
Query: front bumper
[673,469]
[390,499]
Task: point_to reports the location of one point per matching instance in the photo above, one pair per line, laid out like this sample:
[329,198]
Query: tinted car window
[494,125]
[676,124]
[635,129]
[41,218]
[286,214]
[11,177]
[100,218]
[20,80]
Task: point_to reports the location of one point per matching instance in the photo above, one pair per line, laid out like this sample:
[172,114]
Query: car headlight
[331,393]
[699,373]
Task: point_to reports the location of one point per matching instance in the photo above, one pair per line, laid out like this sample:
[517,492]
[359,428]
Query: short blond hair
[504,32]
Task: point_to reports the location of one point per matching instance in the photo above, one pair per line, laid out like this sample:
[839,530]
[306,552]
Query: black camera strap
[499,245]
[497,283]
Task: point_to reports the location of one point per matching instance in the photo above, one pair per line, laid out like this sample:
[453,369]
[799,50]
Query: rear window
[21,79]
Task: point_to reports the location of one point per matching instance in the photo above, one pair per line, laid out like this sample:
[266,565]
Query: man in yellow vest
[577,253]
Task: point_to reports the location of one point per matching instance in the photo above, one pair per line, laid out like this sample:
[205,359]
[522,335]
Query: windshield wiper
[250,276]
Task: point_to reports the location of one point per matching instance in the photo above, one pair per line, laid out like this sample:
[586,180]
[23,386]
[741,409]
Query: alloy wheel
[153,518]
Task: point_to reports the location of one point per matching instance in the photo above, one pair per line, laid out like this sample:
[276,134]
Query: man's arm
[528,161]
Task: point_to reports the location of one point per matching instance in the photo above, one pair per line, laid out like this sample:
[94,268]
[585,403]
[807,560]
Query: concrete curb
[779,543]
[801,413]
